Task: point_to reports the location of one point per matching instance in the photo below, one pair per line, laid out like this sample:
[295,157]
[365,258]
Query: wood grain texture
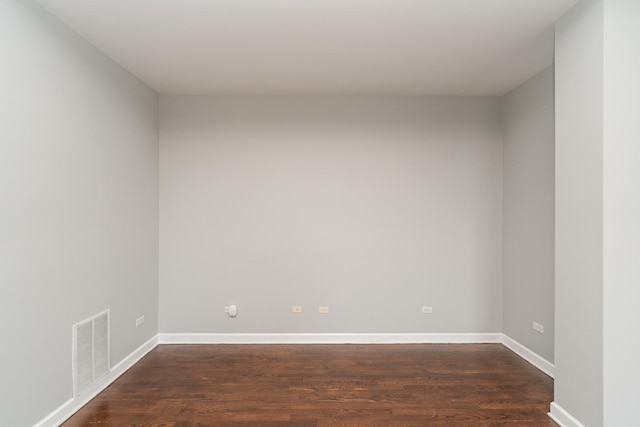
[325,386]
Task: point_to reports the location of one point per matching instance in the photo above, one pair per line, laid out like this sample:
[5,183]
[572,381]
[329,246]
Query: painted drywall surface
[621,212]
[579,130]
[78,206]
[371,206]
[529,212]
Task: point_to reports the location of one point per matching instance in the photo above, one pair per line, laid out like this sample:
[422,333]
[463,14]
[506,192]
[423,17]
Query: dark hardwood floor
[325,385]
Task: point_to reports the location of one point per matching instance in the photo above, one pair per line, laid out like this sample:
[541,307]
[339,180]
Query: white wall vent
[91,349]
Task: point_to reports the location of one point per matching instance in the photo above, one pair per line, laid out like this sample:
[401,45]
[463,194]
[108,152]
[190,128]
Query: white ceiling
[412,47]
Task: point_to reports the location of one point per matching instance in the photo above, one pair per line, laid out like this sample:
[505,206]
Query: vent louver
[91,342]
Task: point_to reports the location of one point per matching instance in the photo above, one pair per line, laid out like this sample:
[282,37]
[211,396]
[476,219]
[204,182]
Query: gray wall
[579,196]
[621,212]
[529,212]
[78,206]
[372,206]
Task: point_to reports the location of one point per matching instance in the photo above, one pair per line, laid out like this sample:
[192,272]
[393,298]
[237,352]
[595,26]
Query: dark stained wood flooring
[325,386]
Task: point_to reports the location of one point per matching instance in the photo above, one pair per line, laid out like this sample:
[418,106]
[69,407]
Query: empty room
[319,213]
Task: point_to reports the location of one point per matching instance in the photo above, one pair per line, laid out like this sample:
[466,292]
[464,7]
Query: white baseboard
[71,406]
[538,361]
[416,338]
[562,417]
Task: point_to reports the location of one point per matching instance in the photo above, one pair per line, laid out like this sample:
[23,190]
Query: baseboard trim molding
[417,338]
[562,417]
[71,406]
[530,356]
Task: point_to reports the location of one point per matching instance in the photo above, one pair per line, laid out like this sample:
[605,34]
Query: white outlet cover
[233,311]
[538,327]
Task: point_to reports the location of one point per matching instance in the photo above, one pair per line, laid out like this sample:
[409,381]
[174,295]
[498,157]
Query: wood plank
[325,385]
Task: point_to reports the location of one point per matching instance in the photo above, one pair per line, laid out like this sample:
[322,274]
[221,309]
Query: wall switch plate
[427,310]
[538,327]
[139,321]
[296,309]
[323,309]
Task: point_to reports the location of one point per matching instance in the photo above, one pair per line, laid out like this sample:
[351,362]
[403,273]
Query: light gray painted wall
[579,196]
[621,211]
[529,212]
[372,206]
[78,206]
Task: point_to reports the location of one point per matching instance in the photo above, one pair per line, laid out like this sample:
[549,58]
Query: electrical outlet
[538,327]
[296,309]
[427,310]
[139,321]
[323,309]
[231,310]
